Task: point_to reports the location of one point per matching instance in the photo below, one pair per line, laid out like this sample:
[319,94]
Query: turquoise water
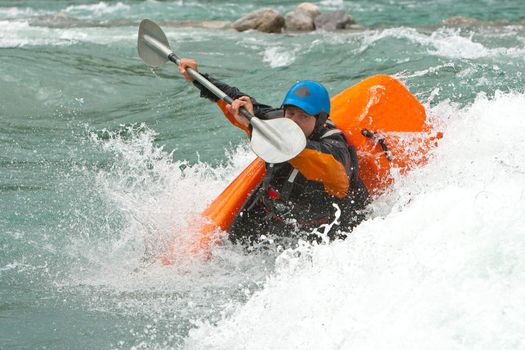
[103,159]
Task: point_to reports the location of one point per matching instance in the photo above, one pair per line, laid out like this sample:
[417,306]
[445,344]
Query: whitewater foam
[441,268]
[95,10]
[20,33]
[142,199]
[16,12]
[155,198]
[24,33]
[278,56]
[445,42]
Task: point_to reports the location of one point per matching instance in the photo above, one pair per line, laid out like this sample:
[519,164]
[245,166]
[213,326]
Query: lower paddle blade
[277,140]
[153,46]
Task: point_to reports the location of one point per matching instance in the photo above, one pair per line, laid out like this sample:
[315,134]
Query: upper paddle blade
[277,140]
[153,46]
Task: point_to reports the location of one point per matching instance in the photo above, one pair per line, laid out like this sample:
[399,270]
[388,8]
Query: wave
[154,196]
[94,10]
[20,12]
[279,56]
[91,11]
[439,265]
[445,42]
[127,210]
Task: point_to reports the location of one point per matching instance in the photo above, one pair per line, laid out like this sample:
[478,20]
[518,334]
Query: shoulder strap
[331,132]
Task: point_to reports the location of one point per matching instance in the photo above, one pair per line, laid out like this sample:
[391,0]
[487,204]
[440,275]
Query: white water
[157,199]
[452,42]
[96,10]
[439,266]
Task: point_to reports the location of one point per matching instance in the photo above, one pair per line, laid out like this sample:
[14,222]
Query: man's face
[305,121]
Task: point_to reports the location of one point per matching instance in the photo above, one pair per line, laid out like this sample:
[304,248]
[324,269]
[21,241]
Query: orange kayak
[387,126]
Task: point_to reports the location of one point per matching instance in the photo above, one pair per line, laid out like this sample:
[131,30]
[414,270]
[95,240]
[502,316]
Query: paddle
[275,140]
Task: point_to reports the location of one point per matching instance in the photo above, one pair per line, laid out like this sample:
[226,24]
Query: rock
[302,18]
[298,20]
[201,24]
[60,20]
[522,22]
[458,21]
[308,7]
[355,27]
[265,20]
[333,20]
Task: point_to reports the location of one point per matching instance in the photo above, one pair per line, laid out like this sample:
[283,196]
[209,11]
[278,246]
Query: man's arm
[259,110]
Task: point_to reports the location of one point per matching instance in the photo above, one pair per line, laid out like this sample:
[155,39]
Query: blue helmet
[310,96]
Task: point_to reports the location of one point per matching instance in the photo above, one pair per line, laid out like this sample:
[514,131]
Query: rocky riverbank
[305,17]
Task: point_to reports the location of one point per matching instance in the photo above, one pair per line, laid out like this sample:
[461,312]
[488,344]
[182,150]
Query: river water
[102,157]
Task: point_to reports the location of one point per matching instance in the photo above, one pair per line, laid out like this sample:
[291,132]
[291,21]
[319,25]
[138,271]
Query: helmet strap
[321,119]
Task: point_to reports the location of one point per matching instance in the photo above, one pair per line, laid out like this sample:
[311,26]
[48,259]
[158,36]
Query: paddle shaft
[275,140]
[209,86]
[155,44]
[269,133]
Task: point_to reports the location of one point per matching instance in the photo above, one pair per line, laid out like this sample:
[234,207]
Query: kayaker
[299,195]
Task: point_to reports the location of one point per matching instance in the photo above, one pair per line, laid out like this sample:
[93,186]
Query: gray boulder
[311,9]
[298,20]
[302,18]
[459,21]
[265,20]
[200,24]
[333,20]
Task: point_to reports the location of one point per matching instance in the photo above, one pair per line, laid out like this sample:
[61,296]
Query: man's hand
[185,63]
[234,108]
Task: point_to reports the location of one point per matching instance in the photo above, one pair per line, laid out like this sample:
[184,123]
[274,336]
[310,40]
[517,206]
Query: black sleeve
[260,110]
[231,91]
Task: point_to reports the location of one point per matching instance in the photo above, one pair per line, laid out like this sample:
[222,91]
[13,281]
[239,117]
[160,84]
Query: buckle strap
[288,186]
[380,140]
[263,190]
